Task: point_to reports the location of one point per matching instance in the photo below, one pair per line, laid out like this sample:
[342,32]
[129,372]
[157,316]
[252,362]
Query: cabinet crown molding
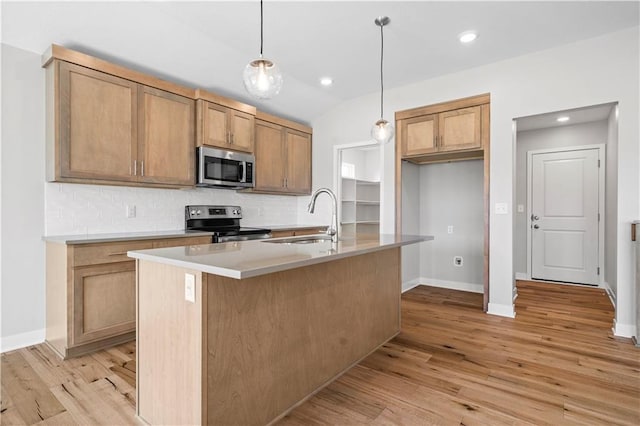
[260,115]
[221,100]
[470,101]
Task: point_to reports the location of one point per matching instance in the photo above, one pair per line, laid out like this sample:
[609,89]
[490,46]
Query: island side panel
[275,339]
[169,345]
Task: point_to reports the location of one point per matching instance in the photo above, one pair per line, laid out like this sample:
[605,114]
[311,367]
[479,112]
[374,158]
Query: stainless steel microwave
[224,169]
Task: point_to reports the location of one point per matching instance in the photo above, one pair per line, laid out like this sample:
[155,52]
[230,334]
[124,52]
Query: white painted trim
[624,330]
[337,175]
[453,285]
[610,293]
[515,294]
[601,198]
[17,341]
[501,310]
[408,285]
[523,276]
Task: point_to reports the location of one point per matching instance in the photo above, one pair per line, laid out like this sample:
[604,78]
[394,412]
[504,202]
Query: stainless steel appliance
[223,221]
[224,169]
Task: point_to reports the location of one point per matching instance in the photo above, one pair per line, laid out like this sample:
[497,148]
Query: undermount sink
[307,239]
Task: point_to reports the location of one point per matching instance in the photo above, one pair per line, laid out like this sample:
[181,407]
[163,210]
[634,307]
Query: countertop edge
[237,274]
[109,238]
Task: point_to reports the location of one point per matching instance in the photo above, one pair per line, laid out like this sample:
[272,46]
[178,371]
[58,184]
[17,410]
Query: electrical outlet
[450,229]
[190,288]
[501,208]
[131,211]
[457,261]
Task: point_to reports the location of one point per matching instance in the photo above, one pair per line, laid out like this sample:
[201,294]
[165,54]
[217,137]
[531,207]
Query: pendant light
[382,131]
[262,77]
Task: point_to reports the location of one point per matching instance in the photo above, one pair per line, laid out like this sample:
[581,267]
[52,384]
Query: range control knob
[198,212]
[236,211]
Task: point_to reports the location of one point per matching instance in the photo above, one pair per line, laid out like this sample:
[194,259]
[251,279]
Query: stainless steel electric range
[223,222]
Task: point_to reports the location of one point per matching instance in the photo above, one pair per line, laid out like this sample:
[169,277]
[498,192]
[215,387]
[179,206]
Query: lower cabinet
[297,232]
[91,293]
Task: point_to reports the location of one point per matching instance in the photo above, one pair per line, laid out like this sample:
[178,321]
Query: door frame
[601,198]
[337,173]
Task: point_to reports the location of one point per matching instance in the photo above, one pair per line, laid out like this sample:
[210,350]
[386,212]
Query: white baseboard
[610,293]
[453,285]
[17,341]
[624,330]
[408,285]
[523,276]
[501,310]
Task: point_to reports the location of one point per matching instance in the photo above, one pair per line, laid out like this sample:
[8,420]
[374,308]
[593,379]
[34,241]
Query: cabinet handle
[135,167]
[231,137]
[142,168]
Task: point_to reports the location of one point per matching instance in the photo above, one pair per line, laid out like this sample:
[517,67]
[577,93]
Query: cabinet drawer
[93,254]
[182,241]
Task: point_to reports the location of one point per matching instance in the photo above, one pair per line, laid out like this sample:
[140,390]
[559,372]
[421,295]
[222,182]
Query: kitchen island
[242,332]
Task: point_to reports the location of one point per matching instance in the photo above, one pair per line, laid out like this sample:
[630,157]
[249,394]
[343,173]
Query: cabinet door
[166,140]
[104,299]
[419,135]
[298,162]
[242,131]
[214,125]
[460,129]
[98,124]
[270,157]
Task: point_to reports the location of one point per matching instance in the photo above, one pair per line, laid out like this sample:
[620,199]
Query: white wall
[32,208]
[590,72]
[22,182]
[531,140]
[366,162]
[411,224]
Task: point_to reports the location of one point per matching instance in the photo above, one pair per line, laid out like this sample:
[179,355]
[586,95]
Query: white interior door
[564,216]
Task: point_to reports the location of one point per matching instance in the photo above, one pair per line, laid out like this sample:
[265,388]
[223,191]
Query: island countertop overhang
[246,259]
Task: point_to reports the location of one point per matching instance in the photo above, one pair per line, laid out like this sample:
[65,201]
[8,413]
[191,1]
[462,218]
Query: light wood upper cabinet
[166,138]
[298,146]
[448,131]
[107,125]
[98,125]
[224,123]
[421,135]
[459,129]
[283,156]
[270,157]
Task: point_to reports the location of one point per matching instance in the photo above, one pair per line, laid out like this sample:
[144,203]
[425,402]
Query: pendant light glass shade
[382,131]
[261,77]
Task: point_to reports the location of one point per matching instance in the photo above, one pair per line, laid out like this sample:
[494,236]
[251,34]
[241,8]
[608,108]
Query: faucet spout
[333,227]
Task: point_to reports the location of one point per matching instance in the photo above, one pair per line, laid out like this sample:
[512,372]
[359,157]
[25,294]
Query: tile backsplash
[75,209]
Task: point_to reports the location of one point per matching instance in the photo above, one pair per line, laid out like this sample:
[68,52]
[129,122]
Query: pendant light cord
[381,71]
[261,28]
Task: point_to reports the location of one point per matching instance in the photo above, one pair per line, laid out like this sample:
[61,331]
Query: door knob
[536,226]
[534,217]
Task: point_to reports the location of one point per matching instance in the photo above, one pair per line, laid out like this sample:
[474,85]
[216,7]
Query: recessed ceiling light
[562,119]
[467,36]
[326,81]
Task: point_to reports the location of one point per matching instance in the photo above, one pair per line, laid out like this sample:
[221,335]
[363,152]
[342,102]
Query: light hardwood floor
[556,363]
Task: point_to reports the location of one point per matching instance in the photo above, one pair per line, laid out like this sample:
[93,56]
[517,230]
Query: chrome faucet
[333,228]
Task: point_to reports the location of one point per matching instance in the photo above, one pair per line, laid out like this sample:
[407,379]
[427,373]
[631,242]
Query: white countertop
[121,236]
[245,259]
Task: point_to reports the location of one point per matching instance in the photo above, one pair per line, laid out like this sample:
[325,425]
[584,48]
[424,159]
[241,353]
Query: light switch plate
[190,288]
[450,229]
[501,208]
[520,208]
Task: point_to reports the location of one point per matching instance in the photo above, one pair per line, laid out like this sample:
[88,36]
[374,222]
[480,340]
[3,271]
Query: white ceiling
[576,116]
[207,44]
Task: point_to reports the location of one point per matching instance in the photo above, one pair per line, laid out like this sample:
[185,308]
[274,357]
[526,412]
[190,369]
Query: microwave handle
[243,172]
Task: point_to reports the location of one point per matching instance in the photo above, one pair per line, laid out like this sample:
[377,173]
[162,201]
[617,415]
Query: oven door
[217,167]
